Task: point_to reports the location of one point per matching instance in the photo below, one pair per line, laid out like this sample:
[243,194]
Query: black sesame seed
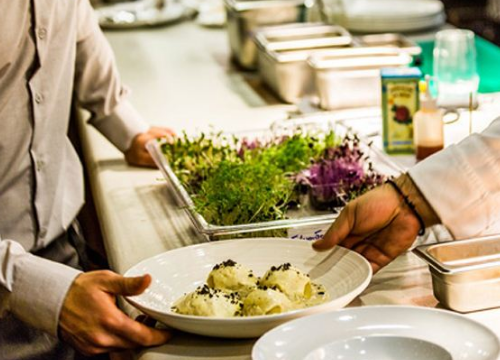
[229,263]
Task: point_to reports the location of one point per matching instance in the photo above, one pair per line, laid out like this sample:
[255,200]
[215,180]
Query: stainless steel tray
[348,78]
[283,52]
[299,36]
[305,223]
[465,273]
[244,17]
[396,41]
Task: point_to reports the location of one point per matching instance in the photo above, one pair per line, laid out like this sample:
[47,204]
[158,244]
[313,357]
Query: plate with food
[380,332]
[243,288]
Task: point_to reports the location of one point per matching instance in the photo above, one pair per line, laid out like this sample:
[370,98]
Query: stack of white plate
[393,15]
[129,15]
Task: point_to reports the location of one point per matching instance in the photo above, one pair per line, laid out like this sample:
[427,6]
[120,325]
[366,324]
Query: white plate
[380,333]
[396,21]
[344,273]
[394,15]
[389,26]
[394,9]
[141,14]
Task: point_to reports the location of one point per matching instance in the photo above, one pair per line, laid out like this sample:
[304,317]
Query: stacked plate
[394,15]
[143,13]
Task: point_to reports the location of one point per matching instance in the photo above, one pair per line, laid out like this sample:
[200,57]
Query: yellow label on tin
[401,104]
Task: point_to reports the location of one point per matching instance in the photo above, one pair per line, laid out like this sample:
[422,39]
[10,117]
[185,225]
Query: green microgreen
[236,181]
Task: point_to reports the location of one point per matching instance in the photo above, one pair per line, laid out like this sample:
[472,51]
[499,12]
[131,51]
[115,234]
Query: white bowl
[345,274]
[381,333]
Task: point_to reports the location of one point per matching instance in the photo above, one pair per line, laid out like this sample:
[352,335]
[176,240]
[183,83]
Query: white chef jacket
[462,184]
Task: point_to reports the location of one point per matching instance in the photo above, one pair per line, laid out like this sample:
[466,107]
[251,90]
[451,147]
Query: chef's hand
[91,322]
[379,225]
[137,154]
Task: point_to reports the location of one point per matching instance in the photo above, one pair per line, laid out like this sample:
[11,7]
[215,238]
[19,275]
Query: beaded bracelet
[410,205]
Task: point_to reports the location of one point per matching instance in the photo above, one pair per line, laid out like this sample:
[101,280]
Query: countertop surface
[182,78]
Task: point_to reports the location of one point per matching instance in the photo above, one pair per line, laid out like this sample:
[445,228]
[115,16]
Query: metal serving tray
[397,41]
[305,223]
[283,52]
[465,273]
[348,78]
[244,17]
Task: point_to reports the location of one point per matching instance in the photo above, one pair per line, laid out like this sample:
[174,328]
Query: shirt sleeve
[462,184]
[97,83]
[31,288]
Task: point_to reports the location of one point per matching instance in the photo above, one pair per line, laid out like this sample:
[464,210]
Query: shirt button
[38,98]
[40,165]
[42,33]
[43,232]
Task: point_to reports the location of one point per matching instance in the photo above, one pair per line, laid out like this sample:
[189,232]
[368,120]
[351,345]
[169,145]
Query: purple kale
[341,175]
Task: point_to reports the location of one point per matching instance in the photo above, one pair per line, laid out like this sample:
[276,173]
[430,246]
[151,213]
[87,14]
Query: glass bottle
[428,126]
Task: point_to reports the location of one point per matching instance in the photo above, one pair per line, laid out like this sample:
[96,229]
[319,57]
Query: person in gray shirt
[50,52]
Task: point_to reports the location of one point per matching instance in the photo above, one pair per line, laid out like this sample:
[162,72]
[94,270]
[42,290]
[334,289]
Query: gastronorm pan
[347,78]
[283,52]
[244,17]
[465,273]
[304,223]
[396,41]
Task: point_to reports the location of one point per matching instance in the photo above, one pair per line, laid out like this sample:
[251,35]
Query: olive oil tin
[400,102]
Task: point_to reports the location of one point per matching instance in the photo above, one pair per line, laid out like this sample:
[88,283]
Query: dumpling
[230,276]
[205,301]
[265,301]
[289,280]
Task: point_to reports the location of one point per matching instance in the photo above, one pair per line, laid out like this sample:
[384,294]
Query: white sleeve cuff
[122,125]
[40,287]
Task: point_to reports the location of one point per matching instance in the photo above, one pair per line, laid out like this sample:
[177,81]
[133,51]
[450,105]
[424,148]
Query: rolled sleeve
[462,184]
[121,126]
[33,289]
[98,86]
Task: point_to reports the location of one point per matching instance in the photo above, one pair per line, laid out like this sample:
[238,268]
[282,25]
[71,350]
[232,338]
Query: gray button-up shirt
[50,50]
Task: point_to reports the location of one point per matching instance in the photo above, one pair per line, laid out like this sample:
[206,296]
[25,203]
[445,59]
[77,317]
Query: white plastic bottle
[428,132]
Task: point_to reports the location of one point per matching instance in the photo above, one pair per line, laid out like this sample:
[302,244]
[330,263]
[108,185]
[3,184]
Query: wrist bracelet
[409,204]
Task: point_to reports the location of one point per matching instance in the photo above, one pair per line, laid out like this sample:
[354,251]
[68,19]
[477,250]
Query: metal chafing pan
[397,41]
[244,17]
[347,78]
[465,273]
[283,52]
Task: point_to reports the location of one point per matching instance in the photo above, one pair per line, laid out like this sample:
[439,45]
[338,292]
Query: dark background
[473,15]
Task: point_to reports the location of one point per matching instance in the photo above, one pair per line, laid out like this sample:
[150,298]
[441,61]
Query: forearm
[31,288]
[422,206]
